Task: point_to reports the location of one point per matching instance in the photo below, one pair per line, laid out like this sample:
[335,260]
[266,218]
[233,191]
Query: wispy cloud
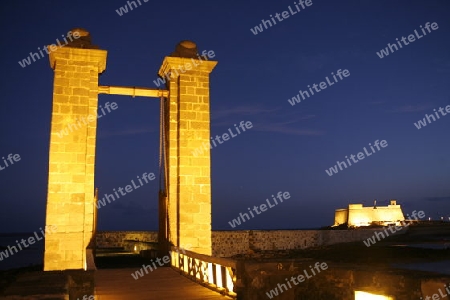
[437,199]
[130,131]
[243,110]
[411,108]
[442,66]
[279,128]
[266,119]
[315,62]
[377,102]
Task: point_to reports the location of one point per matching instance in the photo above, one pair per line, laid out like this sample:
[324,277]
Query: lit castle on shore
[357,215]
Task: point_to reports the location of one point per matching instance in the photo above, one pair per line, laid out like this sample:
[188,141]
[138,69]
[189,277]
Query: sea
[29,256]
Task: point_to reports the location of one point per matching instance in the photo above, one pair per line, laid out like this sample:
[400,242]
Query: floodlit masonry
[318,267]
[243,125]
[323,85]
[393,229]
[185,210]
[187,66]
[357,215]
[262,207]
[284,15]
[411,38]
[90,118]
[360,156]
[423,123]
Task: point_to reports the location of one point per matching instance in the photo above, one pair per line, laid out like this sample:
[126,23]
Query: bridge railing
[219,274]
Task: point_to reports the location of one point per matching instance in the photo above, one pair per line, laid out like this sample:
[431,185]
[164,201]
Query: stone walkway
[161,284]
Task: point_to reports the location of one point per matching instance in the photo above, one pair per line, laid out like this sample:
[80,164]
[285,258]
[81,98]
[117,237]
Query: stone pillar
[188,132]
[70,198]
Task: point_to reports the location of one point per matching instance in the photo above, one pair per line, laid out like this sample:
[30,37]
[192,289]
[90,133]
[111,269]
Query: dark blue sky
[288,148]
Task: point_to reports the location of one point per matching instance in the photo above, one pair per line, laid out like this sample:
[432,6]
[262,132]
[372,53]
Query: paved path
[161,284]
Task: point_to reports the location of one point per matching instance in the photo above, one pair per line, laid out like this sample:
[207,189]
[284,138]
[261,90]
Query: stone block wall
[338,282]
[229,243]
[111,239]
[284,239]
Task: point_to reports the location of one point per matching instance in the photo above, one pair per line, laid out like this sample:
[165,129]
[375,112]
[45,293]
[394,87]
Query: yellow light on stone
[185,260]
[230,284]
[359,295]
[219,276]
[210,273]
[357,215]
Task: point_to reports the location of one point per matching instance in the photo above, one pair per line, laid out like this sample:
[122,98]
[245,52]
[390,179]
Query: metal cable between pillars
[163,170]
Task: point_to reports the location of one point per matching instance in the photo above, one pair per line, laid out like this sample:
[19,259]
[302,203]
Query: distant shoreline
[7,234]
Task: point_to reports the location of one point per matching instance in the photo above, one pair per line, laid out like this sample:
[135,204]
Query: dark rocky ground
[371,262]
[9,276]
[387,251]
[352,267]
[34,283]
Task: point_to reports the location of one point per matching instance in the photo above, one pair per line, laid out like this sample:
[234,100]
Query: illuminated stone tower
[70,198]
[188,129]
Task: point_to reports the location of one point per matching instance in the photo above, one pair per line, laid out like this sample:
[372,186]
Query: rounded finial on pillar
[186,49]
[82,39]
[81,32]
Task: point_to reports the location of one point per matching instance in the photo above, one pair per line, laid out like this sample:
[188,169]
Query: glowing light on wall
[219,276]
[174,259]
[207,272]
[202,267]
[359,295]
[230,284]
[360,222]
[185,261]
[210,273]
